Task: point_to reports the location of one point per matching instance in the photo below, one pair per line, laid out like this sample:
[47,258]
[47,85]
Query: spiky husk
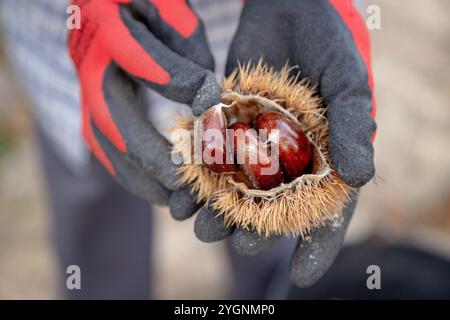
[290,209]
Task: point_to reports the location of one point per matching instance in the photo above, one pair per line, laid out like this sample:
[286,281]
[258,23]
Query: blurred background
[408,202]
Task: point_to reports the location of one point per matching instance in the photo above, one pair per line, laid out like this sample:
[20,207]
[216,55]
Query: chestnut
[295,150]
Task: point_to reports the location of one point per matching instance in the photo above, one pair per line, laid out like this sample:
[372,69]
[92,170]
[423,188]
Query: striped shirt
[35,33]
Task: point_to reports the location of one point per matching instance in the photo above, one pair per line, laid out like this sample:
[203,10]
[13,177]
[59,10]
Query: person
[135,63]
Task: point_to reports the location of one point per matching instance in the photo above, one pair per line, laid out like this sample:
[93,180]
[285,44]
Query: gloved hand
[122,44]
[328,40]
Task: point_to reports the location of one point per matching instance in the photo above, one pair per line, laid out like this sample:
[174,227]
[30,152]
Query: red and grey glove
[122,44]
[328,41]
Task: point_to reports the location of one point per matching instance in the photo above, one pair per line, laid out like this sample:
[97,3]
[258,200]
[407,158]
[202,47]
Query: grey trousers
[107,232]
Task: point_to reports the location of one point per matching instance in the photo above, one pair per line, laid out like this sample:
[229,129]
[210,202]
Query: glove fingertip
[248,243]
[309,264]
[207,96]
[354,163]
[356,173]
[351,145]
[315,253]
[209,227]
[182,204]
[306,278]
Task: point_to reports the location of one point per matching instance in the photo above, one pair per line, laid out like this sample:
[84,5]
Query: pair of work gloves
[161,44]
